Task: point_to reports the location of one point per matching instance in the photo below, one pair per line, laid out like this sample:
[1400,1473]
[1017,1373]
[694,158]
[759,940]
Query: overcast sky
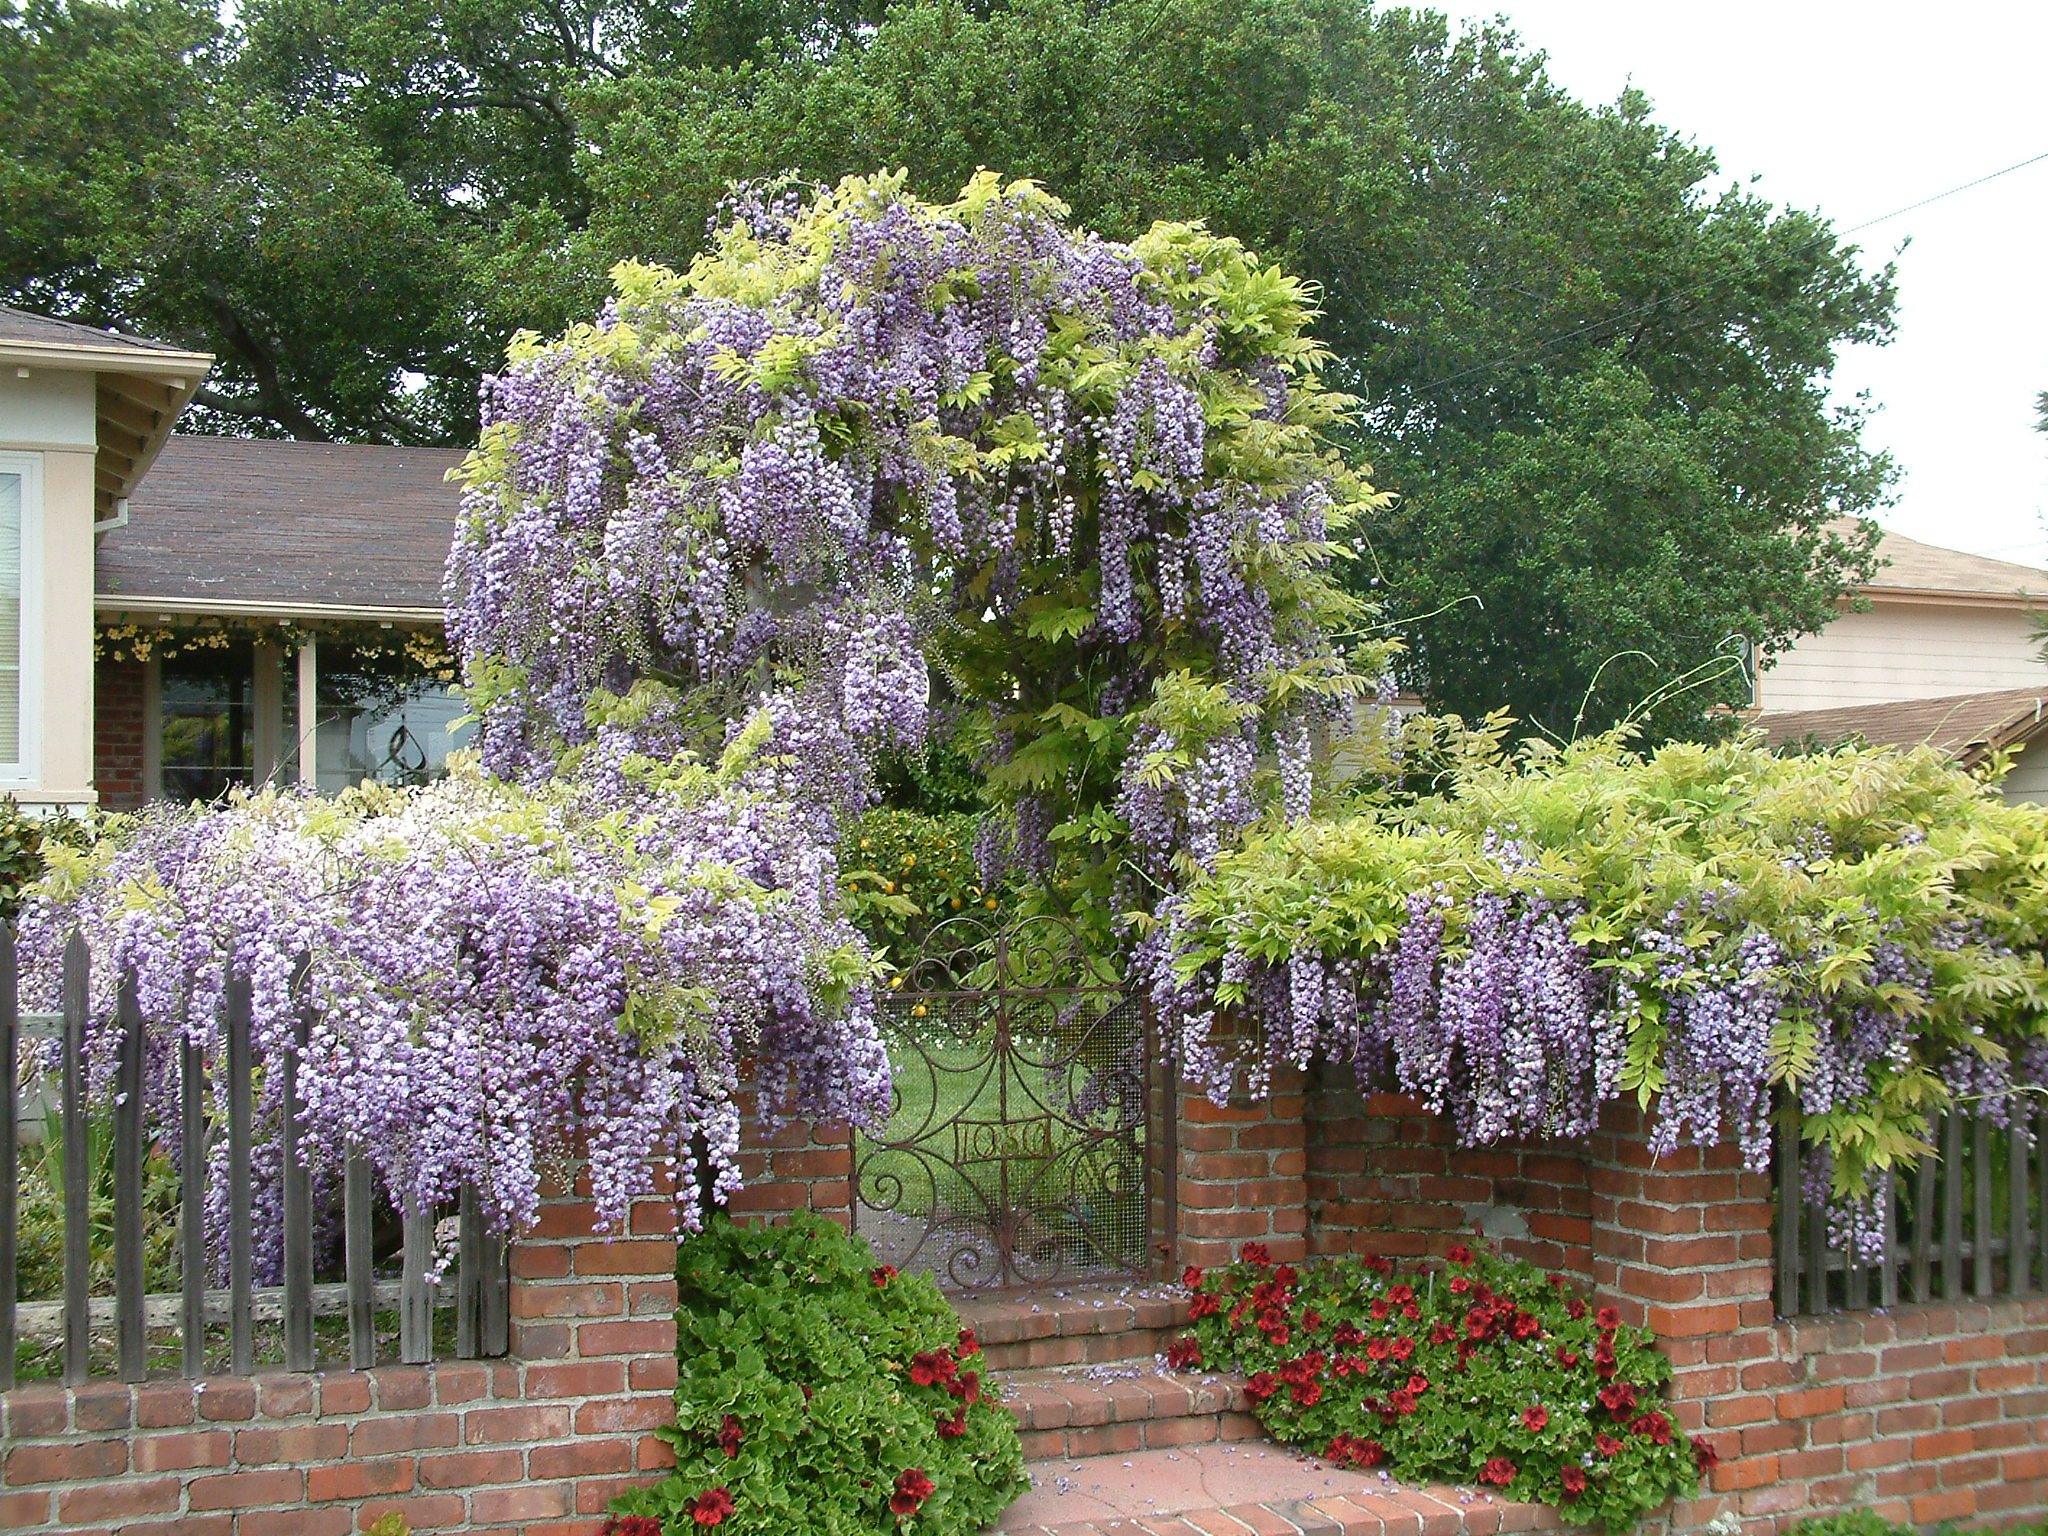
[1855,108]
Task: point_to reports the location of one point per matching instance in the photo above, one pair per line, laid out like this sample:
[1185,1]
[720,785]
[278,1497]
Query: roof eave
[141,604]
[1948,597]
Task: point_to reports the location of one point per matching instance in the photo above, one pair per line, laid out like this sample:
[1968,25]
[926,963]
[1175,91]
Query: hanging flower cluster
[868,449]
[496,975]
[1706,928]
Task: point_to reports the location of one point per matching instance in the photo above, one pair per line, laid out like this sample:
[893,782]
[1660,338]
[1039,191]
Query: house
[83,414]
[1943,650]
[1933,623]
[180,614]
[1969,727]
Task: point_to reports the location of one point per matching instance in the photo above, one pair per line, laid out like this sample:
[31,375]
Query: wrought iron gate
[1021,1146]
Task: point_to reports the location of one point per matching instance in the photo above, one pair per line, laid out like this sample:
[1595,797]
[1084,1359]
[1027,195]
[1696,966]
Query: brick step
[1034,1330]
[1247,1490]
[1112,1409]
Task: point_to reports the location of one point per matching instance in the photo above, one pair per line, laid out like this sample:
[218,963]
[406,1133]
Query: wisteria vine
[1714,930]
[498,975]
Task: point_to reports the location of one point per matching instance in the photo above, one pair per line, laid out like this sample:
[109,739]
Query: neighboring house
[1945,653]
[82,415]
[179,615]
[272,613]
[1939,623]
[1969,727]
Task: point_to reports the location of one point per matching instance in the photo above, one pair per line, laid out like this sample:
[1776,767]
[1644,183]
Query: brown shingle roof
[22,325]
[1910,566]
[1965,725]
[227,520]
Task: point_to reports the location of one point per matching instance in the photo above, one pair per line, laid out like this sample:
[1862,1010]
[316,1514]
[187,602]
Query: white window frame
[24,773]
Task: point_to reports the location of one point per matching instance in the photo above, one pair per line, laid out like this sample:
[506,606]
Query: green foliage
[1867,1522]
[1832,854]
[903,872]
[1599,380]
[799,1395]
[1486,1373]
[25,842]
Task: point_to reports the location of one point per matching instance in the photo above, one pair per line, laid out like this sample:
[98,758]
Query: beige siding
[2028,781]
[1906,651]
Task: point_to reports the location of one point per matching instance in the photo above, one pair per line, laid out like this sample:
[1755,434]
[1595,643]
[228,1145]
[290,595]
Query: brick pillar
[1682,1245]
[118,723]
[1241,1173]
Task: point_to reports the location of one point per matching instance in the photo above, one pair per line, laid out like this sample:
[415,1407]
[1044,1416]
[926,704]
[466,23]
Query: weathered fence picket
[1948,1216]
[210,1114]
[128,1285]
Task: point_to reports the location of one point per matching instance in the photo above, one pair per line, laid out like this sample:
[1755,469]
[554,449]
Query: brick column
[1242,1173]
[118,726]
[1682,1245]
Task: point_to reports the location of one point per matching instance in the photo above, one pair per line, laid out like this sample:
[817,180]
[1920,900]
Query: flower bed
[1486,1373]
[822,1393]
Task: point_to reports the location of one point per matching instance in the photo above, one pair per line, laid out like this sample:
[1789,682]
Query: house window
[208,721]
[380,719]
[20,522]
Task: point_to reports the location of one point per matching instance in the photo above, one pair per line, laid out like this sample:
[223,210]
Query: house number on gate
[995,1141]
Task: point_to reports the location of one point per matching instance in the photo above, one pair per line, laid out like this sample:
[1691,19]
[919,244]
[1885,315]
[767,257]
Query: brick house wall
[119,719]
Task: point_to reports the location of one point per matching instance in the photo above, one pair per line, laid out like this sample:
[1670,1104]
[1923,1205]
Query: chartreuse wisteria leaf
[1704,928]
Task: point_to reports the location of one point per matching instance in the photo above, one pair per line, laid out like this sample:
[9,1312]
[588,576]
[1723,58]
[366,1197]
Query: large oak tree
[1596,372]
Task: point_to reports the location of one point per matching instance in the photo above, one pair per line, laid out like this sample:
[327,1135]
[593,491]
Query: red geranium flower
[1525,1325]
[1380,1311]
[1575,1309]
[1285,1276]
[1459,1254]
[1534,1418]
[1567,1357]
[1557,1282]
[1403,1347]
[968,1345]
[1311,1320]
[730,1434]
[1347,1336]
[1417,1385]
[1574,1482]
[1653,1424]
[966,1387]
[1205,1304]
[709,1507]
[632,1525]
[954,1427]
[1256,1253]
[931,1367]
[912,1489]
[1401,1400]
[1184,1354]
[1412,1312]
[1460,1285]
[1308,1393]
[1400,1294]
[1191,1277]
[1378,1264]
[1618,1398]
[1261,1387]
[882,1274]
[1608,1318]
[1607,1445]
[1441,1333]
[1705,1457]
[1498,1471]
[1379,1349]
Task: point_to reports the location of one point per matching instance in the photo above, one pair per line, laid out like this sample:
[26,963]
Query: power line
[1541,347]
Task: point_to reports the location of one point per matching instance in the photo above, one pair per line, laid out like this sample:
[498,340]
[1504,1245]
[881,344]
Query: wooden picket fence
[1971,1222]
[481,1287]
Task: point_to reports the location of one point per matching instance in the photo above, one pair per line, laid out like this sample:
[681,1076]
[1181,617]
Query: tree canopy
[1596,378]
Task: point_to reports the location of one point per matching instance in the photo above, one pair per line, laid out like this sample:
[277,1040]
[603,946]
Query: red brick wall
[1386,1176]
[118,722]
[1925,1414]
[536,1443]
[1243,1174]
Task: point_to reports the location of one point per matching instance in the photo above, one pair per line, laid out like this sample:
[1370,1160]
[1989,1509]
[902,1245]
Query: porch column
[309,718]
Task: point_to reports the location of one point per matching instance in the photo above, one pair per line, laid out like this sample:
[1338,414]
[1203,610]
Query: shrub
[1487,1373]
[904,872]
[824,1394]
